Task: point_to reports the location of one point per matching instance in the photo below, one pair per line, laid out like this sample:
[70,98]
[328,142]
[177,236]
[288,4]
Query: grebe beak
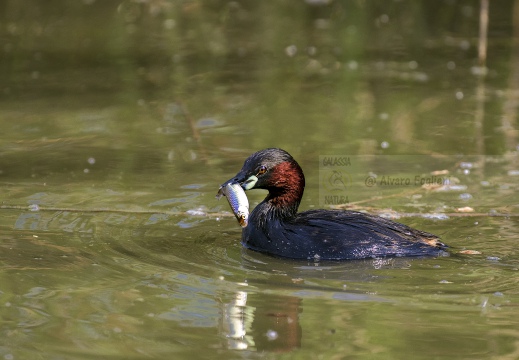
[241,179]
[249,183]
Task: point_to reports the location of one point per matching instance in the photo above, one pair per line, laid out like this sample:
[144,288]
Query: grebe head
[276,171]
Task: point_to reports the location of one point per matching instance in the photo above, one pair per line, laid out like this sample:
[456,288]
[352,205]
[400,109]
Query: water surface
[121,118]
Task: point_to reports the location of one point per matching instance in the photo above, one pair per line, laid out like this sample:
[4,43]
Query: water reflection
[263,323]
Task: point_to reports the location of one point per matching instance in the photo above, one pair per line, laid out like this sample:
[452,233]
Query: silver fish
[237,200]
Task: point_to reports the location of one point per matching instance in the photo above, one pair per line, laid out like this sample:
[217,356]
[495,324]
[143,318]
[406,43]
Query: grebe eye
[262,170]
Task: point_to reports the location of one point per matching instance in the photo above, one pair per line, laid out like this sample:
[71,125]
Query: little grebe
[276,228]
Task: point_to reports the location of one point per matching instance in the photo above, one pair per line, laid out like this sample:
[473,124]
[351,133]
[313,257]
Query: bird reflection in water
[261,322]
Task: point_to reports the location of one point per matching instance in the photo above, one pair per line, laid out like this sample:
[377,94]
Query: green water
[119,120]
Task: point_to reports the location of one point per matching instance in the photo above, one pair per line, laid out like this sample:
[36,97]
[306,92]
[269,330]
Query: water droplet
[353,65]
[464,44]
[451,65]
[291,50]
[459,95]
[384,144]
[91,160]
[272,335]
[420,76]
[34,207]
[465,196]
[311,50]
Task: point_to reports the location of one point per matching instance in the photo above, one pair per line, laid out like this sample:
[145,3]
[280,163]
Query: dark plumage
[275,227]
